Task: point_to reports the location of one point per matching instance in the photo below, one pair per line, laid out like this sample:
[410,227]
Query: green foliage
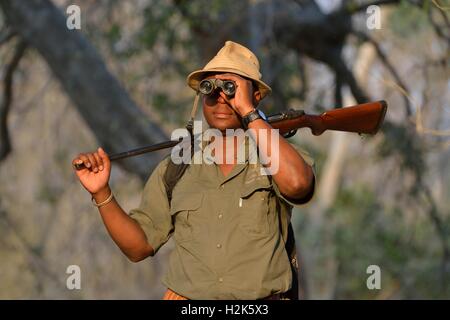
[156,19]
[160,101]
[408,20]
[369,232]
[114,33]
[402,143]
[164,22]
[167,109]
[356,214]
[165,25]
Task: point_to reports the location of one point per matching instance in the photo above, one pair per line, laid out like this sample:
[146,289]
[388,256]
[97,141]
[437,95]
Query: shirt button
[219,246]
[221,280]
[220,216]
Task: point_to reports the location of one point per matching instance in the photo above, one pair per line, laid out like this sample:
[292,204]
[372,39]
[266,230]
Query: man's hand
[242,101]
[97,168]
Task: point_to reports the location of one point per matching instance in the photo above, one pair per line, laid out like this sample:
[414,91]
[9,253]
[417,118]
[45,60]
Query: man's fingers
[105,158]
[77,160]
[85,160]
[93,162]
[99,160]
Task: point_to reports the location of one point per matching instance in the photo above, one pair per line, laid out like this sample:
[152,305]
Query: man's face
[218,111]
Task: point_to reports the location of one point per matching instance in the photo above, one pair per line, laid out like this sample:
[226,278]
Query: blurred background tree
[119,82]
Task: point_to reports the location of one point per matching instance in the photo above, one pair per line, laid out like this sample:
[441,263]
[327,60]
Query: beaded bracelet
[108,200]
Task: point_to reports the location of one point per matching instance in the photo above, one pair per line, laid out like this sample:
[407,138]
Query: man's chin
[223,125]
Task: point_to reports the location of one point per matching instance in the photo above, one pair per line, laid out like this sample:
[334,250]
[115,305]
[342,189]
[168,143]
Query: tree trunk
[330,181]
[118,123]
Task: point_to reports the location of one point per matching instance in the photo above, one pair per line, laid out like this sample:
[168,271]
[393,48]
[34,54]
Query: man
[224,216]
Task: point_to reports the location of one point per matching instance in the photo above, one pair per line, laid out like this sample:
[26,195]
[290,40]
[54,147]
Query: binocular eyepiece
[207,86]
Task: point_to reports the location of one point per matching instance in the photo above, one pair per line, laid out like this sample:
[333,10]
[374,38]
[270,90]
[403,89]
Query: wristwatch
[249,117]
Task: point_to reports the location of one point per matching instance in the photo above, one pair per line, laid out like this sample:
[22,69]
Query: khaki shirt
[228,243]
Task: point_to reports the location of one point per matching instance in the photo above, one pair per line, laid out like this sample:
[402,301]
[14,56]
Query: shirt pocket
[254,208]
[182,207]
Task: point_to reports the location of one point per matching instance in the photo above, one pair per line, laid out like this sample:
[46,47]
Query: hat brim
[194,78]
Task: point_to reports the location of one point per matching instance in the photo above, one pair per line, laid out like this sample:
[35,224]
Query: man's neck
[230,147]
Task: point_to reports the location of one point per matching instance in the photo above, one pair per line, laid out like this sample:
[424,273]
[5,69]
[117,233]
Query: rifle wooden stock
[363,118]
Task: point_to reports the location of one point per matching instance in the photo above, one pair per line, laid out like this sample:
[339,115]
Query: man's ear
[256,97]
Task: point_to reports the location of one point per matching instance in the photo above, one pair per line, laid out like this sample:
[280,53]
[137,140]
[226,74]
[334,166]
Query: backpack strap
[174,172]
[291,250]
[172,175]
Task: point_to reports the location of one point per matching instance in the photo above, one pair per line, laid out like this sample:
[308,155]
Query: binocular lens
[207,86]
[229,88]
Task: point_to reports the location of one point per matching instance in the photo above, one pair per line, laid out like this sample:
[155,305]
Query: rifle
[362,119]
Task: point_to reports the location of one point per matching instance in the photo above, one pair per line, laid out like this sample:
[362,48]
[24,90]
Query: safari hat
[233,58]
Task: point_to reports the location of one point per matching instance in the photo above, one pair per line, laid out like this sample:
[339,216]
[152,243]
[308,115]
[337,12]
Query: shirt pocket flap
[185,202]
[260,184]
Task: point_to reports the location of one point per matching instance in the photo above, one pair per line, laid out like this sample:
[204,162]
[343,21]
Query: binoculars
[207,86]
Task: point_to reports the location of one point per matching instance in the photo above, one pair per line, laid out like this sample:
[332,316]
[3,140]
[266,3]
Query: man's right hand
[97,168]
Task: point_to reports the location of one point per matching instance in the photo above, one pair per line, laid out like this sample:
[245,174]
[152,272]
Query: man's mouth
[223,111]
[222,115]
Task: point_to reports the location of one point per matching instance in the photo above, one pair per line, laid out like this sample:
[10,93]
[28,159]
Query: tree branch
[442,232]
[437,28]
[6,35]
[303,78]
[338,91]
[388,66]
[5,143]
[345,75]
[351,8]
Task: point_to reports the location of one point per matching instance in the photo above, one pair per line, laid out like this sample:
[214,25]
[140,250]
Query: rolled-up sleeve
[153,213]
[298,202]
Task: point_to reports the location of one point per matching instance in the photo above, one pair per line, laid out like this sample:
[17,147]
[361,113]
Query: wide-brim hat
[233,58]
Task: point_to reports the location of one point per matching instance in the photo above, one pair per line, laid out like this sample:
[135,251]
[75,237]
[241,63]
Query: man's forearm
[294,176]
[125,231]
